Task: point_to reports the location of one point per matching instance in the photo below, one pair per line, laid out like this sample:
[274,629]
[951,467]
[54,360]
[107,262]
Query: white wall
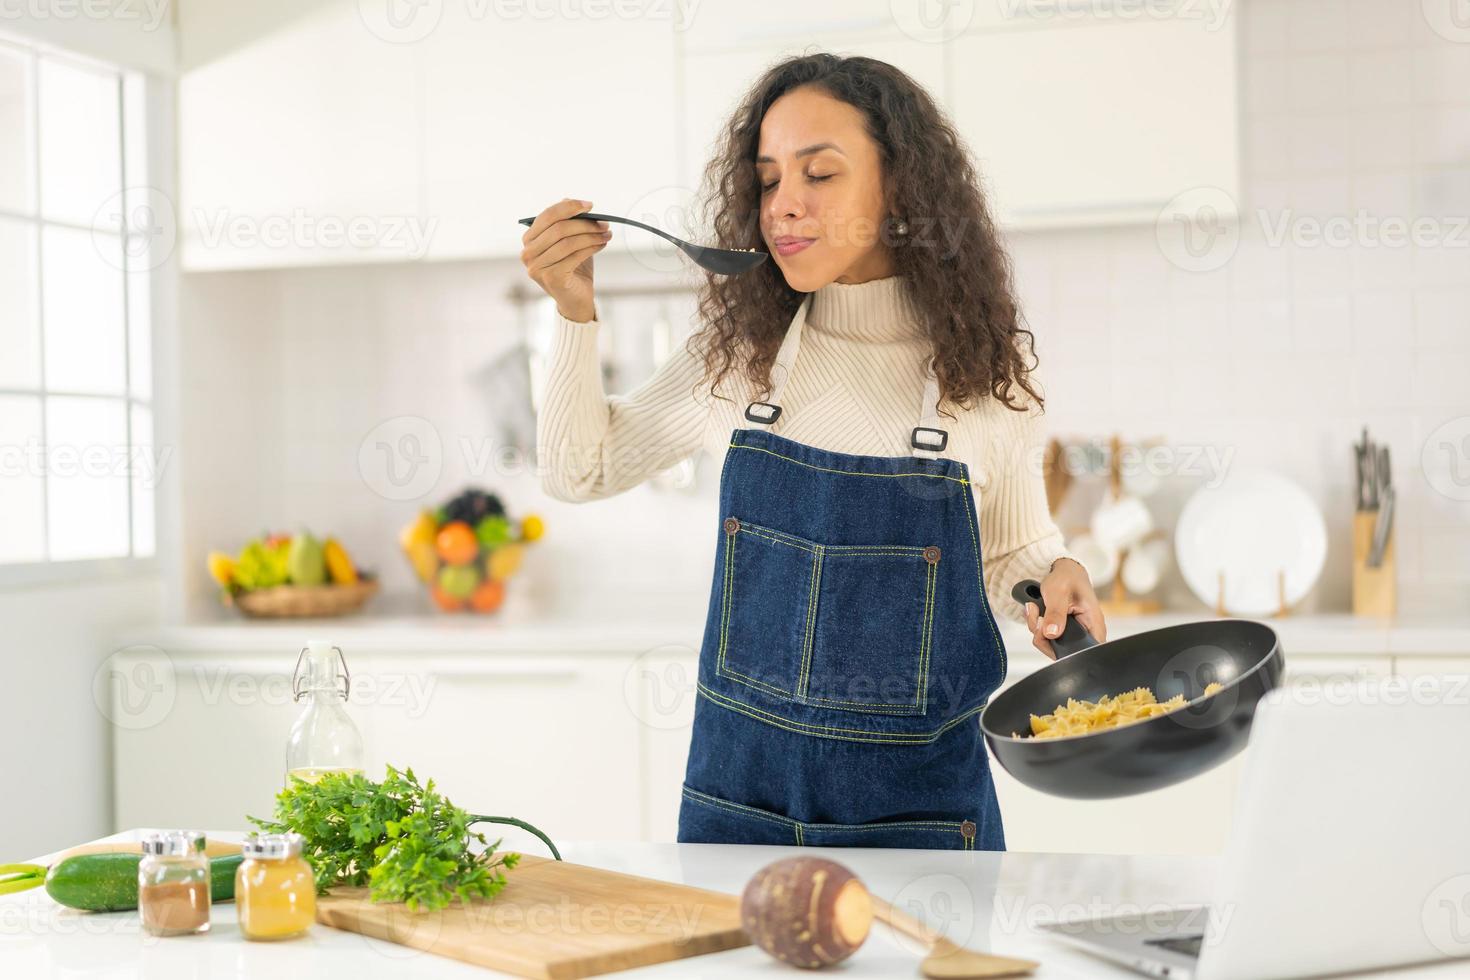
[1278,356]
[58,764]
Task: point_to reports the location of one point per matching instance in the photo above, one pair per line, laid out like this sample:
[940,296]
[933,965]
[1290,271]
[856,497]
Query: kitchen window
[77,466]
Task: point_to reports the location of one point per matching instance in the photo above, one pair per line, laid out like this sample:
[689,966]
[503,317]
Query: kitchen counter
[986,900]
[600,626]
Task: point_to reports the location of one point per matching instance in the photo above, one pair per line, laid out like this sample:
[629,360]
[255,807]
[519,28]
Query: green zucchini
[109,882]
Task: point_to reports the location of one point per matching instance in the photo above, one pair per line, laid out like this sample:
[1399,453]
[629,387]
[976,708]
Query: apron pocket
[708,819]
[767,605]
[870,644]
[954,835]
[844,627]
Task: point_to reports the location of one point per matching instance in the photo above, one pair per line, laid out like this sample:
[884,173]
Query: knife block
[1375,590]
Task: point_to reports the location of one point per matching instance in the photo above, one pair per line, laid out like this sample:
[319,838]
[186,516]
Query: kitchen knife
[1381,527]
[1362,503]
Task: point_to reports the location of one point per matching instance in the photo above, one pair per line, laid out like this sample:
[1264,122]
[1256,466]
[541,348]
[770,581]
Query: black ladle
[720,261]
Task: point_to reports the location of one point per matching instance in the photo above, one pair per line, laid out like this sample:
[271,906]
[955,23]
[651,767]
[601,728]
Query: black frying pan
[1242,655]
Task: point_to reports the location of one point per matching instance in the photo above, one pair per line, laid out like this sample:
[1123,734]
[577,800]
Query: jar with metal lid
[174,884]
[275,890]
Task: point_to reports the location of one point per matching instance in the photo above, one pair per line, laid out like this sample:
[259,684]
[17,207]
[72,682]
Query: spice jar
[173,884]
[275,891]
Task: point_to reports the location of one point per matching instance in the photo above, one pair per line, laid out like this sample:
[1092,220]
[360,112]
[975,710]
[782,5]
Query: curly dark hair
[955,274]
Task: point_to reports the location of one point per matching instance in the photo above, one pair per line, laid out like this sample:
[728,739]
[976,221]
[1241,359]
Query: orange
[488,597]
[445,601]
[457,543]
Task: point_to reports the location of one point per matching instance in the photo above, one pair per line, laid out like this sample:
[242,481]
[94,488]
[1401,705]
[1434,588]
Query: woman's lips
[790,246]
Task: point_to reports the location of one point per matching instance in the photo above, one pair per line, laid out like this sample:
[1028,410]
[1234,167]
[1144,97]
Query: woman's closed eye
[814,178]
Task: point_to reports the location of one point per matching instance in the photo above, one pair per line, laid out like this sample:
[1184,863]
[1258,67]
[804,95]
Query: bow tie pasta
[1081,717]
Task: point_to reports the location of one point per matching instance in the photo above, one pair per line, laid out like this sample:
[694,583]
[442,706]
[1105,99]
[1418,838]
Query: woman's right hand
[558,256]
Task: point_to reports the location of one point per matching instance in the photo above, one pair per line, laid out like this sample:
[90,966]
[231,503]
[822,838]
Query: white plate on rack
[1259,534]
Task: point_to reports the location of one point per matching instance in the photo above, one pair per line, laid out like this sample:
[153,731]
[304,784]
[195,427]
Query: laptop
[1349,850]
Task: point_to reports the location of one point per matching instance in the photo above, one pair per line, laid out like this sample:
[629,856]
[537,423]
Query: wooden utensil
[948,960]
[555,920]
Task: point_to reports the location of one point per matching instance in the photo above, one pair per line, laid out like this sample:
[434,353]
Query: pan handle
[1074,637]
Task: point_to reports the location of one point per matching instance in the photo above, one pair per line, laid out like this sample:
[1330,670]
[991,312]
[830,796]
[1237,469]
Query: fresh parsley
[402,839]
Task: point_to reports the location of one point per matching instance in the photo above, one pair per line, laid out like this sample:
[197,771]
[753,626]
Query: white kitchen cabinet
[299,146]
[331,137]
[831,25]
[1452,668]
[520,112]
[716,79]
[1192,817]
[545,739]
[196,742]
[313,134]
[1332,676]
[659,685]
[1077,121]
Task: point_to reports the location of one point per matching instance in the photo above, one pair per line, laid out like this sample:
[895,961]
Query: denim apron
[848,649]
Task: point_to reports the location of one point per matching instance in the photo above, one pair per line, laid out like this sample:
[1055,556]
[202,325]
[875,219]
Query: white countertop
[982,899]
[677,620]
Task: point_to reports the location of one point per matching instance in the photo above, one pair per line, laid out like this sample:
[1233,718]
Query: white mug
[1101,564]
[1144,566]
[1119,524]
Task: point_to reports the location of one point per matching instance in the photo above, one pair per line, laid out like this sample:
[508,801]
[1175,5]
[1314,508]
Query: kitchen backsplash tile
[1375,24]
[1442,319]
[1382,318]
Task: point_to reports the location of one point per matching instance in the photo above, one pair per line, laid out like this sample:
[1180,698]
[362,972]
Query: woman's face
[821,191]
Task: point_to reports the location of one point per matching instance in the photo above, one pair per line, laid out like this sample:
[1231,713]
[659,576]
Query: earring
[902,228]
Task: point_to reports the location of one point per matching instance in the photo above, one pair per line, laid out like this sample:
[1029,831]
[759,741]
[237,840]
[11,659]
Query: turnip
[808,912]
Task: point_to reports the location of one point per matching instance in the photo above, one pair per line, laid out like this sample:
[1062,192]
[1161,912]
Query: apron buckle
[914,438]
[775,413]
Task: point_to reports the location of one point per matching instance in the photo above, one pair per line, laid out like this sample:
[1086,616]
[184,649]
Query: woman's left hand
[1066,590]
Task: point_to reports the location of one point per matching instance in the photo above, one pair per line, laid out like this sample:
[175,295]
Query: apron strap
[767,412]
[927,439]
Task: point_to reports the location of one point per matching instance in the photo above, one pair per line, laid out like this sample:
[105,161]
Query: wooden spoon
[948,960]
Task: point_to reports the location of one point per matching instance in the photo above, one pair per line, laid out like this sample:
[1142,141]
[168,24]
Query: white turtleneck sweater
[856,387]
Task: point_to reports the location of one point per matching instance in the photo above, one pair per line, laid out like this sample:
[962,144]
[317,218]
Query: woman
[849,645]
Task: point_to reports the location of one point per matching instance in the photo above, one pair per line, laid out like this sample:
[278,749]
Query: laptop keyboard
[1185,945]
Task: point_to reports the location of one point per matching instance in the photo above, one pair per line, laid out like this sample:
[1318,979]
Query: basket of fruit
[467,550]
[278,575]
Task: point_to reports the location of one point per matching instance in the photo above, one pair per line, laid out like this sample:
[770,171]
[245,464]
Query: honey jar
[275,891]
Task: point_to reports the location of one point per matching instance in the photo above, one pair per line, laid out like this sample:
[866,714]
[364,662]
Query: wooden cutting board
[555,920]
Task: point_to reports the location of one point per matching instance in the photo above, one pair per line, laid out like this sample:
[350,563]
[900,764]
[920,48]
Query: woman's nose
[781,204]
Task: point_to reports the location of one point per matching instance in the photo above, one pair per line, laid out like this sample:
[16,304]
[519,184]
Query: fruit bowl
[304,600]
[277,575]
[468,550]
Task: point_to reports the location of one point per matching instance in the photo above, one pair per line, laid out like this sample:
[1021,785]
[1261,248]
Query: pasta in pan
[1080,717]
